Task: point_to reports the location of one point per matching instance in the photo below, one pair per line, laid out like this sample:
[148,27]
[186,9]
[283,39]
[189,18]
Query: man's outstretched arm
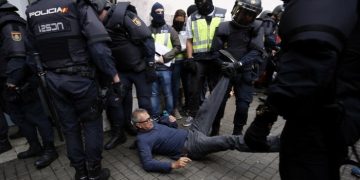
[152,165]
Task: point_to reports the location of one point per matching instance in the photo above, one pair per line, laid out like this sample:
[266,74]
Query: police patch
[16,36]
[136,21]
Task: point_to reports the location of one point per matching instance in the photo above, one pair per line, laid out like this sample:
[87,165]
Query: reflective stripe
[163,38]
[203,33]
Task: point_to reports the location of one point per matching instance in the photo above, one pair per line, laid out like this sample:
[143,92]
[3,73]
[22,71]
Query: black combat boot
[95,172]
[47,157]
[34,150]
[256,136]
[5,145]
[117,137]
[81,173]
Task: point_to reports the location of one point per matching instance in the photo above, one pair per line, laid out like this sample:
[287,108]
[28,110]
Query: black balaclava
[178,25]
[158,19]
[204,7]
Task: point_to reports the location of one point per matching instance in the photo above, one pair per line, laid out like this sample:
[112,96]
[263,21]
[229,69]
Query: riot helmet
[277,12]
[245,11]
[6,6]
[204,7]
[265,14]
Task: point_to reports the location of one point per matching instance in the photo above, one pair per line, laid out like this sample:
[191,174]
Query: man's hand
[229,69]
[181,163]
[172,119]
[160,60]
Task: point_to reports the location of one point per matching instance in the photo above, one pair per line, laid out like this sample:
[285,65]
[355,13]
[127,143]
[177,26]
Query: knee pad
[90,111]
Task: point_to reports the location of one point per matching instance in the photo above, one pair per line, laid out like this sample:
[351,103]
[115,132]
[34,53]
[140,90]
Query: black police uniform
[71,39]
[246,45]
[303,92]
[23,103]
[134,50]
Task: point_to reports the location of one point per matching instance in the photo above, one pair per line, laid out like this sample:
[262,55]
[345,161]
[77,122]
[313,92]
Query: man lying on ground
[179,144]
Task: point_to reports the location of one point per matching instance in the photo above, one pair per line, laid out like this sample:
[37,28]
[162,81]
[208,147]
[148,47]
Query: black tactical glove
[119,89]
[190,65]
[150,73]
[230,69]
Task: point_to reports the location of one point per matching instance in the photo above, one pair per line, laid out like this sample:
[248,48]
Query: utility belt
[83,71]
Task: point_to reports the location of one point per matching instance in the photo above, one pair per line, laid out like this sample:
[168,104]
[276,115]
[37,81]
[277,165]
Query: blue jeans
[163,83]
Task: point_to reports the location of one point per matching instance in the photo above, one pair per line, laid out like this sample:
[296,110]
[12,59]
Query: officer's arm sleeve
[101,56]
[149,48]
[217,44]
[15,52]
[252,57]
[176,46]
[93,29]
[257,42]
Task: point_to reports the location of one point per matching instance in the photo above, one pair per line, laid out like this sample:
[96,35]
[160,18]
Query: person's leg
[165,85]
[35,115]
[185,81]
[197,80]
[115,115]
[199,145]
[244,94]
[175,83]
[18,111]
[143,91]
[69,119]
[155,95]
[127,103]
[207,113]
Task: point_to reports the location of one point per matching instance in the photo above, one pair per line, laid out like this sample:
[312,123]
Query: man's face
[145,122]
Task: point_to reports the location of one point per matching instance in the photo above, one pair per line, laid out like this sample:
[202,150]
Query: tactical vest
[315,20]
[58,38]
[5,18]
[127,31]
[237,39]
[202,32]
[163,38]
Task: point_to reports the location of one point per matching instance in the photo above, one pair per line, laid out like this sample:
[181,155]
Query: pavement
[124,163]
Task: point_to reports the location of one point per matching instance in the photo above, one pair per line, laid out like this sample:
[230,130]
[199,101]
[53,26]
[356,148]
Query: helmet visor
[243,16]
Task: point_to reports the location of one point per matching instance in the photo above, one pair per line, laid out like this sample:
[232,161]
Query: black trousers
[3,124]
[207,70]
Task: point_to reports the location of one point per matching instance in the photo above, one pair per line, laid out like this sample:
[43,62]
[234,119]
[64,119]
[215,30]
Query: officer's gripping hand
[119,89]
[150,73]
[181,163]
[230,69]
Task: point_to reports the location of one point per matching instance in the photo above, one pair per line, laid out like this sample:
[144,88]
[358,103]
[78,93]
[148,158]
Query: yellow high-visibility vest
[164,37]
[202,32]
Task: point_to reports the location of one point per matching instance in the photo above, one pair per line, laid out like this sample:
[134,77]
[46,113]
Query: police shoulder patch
[16,35]
[136,21]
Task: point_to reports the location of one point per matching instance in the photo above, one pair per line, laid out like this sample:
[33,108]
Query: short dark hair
[136,112]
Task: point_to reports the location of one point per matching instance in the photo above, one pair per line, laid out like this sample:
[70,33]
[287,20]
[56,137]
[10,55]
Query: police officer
[134,51]
[201,26]
[243,39]
[71,41]
[4,141]
[21,92]
[304,90]
[165,36]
